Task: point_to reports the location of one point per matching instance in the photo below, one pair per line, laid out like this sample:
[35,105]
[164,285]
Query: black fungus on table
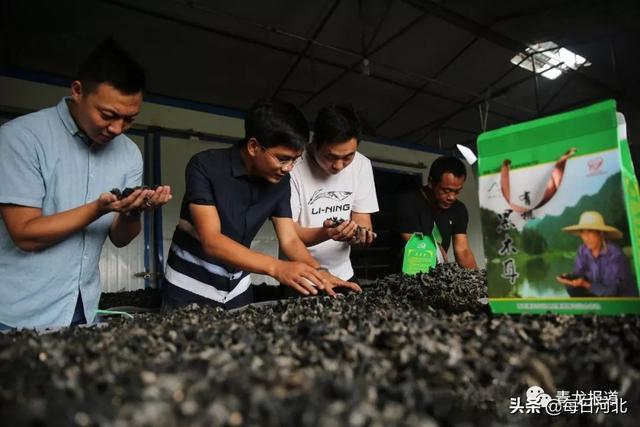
[411,350]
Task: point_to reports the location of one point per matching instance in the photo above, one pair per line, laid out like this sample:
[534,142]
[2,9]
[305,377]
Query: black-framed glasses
[283,163]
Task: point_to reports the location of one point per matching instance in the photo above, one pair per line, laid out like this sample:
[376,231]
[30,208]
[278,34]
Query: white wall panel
[118,266]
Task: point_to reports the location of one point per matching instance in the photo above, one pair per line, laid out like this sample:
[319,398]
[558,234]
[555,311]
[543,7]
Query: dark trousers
[78,314]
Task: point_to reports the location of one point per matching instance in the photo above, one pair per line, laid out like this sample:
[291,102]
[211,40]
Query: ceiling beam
[557,92]
[575,104]
[434,124]
[418,90]
[356,64]
[302,54]
[476,102]
[535,11]
[502,91]
[367,46]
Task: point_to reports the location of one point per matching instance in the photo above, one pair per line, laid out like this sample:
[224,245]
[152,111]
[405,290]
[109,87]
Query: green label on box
[419,254]
[606,306]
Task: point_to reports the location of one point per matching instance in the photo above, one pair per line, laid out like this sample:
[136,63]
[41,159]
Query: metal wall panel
[118,266]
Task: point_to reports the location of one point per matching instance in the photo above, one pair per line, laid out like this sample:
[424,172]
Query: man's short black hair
[446,164]
[110,63]
[336,124]
[274,123]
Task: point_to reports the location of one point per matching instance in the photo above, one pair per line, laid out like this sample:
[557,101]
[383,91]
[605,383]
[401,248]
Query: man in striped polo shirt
[229,195]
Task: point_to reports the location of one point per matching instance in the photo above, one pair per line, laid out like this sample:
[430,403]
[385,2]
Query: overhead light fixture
[467,153]
[366,67]
[549,60]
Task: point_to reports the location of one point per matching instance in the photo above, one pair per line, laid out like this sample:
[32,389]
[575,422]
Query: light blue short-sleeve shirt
[45,162]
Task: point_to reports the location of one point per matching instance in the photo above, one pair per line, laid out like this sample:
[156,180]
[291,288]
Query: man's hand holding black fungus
[340,230]
[343,230]
[133,200]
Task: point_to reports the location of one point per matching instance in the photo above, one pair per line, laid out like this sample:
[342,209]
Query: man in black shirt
[229,195]
[416,211]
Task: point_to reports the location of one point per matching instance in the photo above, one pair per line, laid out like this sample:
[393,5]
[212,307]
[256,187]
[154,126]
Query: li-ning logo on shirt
[338,196]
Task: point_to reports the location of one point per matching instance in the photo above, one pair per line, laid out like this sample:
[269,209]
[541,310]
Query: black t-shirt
[413,213]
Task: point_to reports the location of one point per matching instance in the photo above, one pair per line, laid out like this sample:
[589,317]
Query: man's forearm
[40,232]
[312,236]
[296,251]
[466,259]
[233,253]
[124,229]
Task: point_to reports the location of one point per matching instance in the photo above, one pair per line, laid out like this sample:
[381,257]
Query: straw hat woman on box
[601,269]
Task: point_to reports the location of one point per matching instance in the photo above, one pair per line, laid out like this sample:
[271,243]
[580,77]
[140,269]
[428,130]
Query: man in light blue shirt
[57,166]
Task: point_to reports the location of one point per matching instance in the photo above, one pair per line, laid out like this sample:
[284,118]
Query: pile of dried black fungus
[415,351]
[448,287]
[126,192]
[142,298]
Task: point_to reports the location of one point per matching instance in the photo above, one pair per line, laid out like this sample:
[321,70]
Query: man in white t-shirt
[333,193]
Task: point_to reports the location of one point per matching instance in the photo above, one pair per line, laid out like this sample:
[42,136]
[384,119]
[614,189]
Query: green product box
[560,214]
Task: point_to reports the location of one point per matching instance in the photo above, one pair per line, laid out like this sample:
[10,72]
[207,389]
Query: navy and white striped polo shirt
[218,178]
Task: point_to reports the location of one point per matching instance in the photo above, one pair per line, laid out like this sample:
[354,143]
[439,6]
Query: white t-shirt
[317,196]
